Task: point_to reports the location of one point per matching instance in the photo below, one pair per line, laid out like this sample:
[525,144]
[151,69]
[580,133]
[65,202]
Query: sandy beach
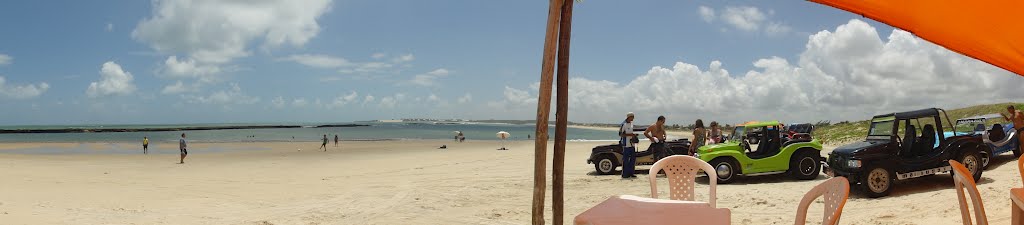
[400,182]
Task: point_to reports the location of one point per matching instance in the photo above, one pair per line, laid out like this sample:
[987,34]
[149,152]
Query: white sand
[407,182]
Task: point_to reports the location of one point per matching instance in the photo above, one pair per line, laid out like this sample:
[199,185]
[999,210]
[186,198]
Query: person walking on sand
[145,145]
[699,136]
[324,145]
[183,147]
[1017,118]
[626,136]
[335,140]
[656,133]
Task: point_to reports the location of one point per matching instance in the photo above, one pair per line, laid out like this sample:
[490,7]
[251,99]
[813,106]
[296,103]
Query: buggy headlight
[853,164]
[696,155]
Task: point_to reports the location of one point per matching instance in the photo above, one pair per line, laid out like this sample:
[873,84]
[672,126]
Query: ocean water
[374,131]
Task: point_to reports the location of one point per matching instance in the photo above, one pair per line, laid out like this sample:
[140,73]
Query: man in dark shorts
[656,133]
[145,145]
[1017,118]
[324,145]
[182,146]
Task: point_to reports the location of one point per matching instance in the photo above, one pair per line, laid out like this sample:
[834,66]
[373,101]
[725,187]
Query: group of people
[182,147]
[324,145]
[657,135]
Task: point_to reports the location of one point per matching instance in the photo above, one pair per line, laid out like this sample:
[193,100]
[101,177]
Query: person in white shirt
[628,150]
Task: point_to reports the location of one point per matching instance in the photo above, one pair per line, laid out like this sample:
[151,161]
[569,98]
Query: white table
[628,209]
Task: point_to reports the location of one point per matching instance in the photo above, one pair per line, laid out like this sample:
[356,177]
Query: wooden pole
[561,114]
[543,109]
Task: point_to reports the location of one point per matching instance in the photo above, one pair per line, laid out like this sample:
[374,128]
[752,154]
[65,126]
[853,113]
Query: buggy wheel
[804,165]
[877,182]
[605,164]
[725,170]
[973,162]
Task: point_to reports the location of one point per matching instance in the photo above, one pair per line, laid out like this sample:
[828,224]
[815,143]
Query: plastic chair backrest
[835,191]
[681,171]
[964,180]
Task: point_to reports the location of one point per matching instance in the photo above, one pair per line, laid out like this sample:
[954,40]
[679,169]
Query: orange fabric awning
[991,31]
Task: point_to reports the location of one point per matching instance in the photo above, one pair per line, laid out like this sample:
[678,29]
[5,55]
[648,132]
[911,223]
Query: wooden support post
[561,115]
[543,109]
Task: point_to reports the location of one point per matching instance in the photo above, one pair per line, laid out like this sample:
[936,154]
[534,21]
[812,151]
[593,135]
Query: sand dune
[404,182]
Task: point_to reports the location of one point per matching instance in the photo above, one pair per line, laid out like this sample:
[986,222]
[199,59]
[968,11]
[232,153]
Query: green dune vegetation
[844,132]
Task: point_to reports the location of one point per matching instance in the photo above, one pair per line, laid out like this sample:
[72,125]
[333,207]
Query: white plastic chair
[681,171]
[835,192]
[964,180]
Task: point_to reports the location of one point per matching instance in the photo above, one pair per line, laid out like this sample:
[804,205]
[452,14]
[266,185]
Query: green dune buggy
[774,153]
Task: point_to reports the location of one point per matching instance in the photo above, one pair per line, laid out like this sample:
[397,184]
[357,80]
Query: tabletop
[629,209]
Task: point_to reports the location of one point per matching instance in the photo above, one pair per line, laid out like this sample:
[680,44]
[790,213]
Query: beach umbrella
[990,31]
[503,135]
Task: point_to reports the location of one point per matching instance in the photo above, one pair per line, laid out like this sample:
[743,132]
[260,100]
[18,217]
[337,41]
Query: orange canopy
[991,30]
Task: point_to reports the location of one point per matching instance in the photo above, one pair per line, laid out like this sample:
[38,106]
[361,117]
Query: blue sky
[68,62]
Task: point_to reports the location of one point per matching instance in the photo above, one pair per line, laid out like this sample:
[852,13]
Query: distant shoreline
[108,130]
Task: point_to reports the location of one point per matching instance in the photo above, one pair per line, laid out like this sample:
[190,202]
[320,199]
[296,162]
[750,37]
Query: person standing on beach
[628,150]
[183,147]
[145,145]
[335,140]
[699,136]
[324,145]
[1017,118]
[656,133]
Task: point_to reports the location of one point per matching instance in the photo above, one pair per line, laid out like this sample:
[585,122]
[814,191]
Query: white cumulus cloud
[22,91]
[343,100]
[706,13]
[429,78]
[847,74]
[277,102]
[220,31]
[5,59]
[404,58]
[234,95]
[467,98]
[113,81]
[318,61]
[387,102]
[187,68]
[299,102]
[744,18]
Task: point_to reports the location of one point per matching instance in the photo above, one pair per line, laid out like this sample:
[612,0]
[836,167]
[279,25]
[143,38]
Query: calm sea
[374,131]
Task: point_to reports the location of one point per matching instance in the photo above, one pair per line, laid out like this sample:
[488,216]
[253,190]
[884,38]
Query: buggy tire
[804,165]
[972,160]
[878,181]
[605,164]
[726,170]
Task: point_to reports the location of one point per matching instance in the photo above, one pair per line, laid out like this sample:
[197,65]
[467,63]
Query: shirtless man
[656,133]
[1017,117]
